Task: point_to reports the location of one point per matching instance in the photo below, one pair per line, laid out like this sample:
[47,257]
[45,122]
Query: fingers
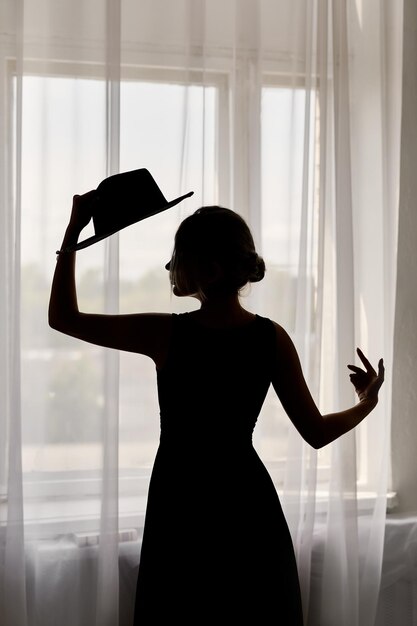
[381,369]
[369,368]
[88,196]
[365,361]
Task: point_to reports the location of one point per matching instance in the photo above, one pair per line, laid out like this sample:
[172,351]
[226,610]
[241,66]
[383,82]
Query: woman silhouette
[216,546]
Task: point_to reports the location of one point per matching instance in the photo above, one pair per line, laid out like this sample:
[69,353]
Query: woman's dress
[216,546]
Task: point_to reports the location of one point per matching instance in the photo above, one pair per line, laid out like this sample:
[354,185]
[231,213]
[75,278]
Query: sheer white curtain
[289,114]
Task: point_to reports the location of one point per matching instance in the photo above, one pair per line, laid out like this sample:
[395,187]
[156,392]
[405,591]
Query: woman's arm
[289,383]
[63,304]
[145,333]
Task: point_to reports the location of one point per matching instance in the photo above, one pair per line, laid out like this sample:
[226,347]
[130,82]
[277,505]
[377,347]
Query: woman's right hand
[367,382]
[82,209]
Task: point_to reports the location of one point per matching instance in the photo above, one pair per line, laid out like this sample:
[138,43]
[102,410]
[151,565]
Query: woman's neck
[222,308]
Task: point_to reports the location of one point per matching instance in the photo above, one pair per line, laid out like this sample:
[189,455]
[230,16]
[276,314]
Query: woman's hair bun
[257,271]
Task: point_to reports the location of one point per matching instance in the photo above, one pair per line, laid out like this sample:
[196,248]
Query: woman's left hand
[367,383]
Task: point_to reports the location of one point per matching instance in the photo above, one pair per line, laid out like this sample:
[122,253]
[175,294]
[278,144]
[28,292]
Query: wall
[404,396]
[156,23]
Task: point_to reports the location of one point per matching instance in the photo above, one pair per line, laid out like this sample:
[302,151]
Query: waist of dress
[202,440]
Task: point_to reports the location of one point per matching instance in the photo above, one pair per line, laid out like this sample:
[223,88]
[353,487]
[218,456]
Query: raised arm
[63,304]
[289,383]
[145,333]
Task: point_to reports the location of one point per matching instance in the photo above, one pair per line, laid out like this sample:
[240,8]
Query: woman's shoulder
[284,347]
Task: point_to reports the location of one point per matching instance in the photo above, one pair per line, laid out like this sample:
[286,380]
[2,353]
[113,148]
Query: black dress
[216,547]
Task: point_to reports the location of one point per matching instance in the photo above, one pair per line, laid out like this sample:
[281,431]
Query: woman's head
[214,255]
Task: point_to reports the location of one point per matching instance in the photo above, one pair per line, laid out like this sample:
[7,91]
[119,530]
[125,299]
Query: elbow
[317,439]
[322,439]
[55,321]
[52,321]
[61,323]
[56,324]
[316,443]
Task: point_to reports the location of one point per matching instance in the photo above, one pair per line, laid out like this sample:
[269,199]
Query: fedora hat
[124,199]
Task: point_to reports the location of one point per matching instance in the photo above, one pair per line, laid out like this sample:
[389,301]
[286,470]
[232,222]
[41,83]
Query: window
[176,131]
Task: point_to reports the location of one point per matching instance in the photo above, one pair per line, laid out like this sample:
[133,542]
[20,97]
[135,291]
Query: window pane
[282,136]
[64,151]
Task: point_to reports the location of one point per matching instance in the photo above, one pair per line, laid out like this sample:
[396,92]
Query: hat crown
[125,199]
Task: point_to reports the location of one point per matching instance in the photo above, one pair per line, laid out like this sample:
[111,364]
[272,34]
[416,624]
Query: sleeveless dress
[216,547]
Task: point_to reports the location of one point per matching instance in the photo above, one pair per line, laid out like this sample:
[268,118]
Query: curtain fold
[107,611]
[287,113]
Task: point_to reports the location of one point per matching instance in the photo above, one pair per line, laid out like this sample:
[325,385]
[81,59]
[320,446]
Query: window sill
[42,521]
[76,516]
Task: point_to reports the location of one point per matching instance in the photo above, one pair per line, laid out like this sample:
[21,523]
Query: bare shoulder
[149,333]
[156,323]
[286,355]
[284,342]
[155,331]
[279,330]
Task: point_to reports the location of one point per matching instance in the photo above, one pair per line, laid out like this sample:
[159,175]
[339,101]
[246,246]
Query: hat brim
[95,238]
